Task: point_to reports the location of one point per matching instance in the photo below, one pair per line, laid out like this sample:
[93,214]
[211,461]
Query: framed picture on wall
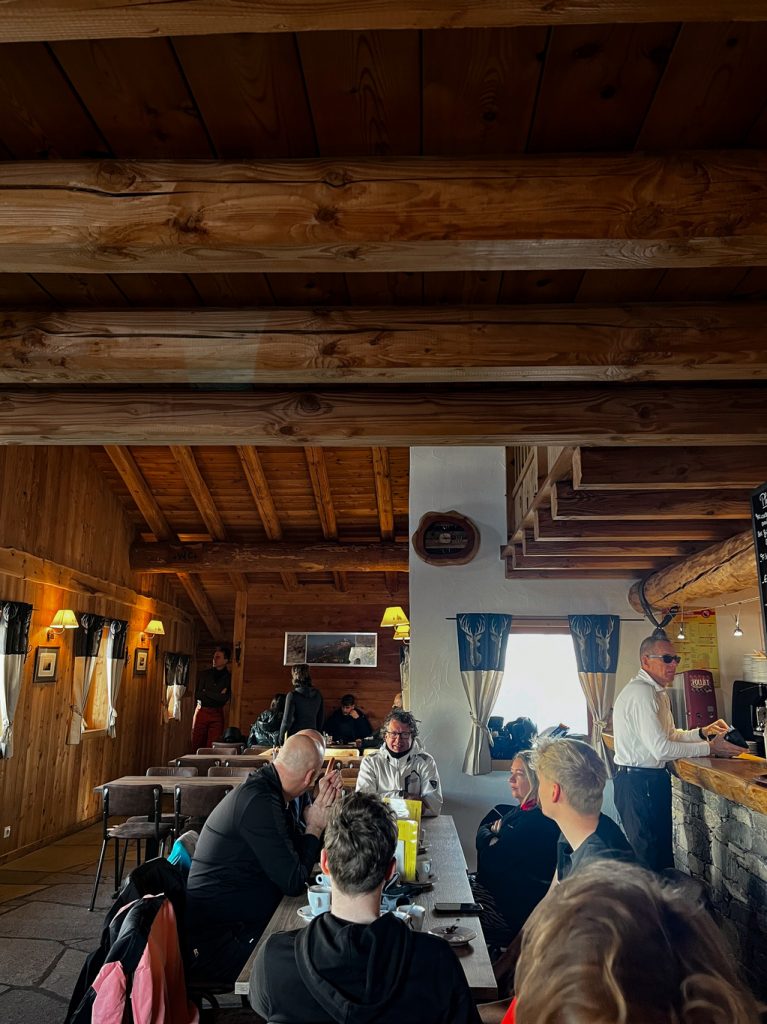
[46,668]
[352,650]
[140,661]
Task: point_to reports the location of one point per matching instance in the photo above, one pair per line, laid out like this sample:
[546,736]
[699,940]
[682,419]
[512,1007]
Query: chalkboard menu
[759,519]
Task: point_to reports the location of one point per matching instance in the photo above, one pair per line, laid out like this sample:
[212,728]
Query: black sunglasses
[666,658]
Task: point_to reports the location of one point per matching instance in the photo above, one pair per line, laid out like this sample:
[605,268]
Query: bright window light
[541,682]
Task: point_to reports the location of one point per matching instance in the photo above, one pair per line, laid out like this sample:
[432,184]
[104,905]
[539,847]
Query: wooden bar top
[729,777]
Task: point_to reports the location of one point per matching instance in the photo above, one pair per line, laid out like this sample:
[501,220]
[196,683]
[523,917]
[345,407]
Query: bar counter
[731,778]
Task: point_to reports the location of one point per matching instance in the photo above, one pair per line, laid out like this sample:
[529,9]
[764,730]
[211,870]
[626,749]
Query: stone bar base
[724,845]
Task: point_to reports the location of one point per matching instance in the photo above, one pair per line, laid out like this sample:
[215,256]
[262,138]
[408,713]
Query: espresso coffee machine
[693,701]
[749,711]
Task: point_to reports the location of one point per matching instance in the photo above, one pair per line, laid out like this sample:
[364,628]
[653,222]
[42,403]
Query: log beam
[262,497]
[44,20]
[275,346]
[320,595]
[724,568]
[409,214]
[702,504]
[559,414]
[684,468]
[217,557]
[323,500]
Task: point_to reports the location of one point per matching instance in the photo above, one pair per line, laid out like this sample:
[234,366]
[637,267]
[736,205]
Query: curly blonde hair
[620,947]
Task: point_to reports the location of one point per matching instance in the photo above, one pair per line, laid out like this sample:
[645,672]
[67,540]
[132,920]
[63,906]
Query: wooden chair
[192,804]
[255,750]
[229,748]
[200,763]
[185,770]
[144,803]
[223,773]
[224,748]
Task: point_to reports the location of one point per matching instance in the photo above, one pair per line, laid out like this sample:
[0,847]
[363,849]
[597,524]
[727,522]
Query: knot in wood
[327,215]
[190,224]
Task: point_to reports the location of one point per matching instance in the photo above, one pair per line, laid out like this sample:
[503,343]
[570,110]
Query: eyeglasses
[665,658]
[402,735]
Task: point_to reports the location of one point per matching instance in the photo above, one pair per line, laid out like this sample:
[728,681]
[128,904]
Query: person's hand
[717,728]
[329,789]
[199,703]
[720,747]
[354,713]
[496,826]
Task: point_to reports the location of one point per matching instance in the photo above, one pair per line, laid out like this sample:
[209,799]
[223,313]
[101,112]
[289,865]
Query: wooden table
[451,886]
[235,760]
[169,782]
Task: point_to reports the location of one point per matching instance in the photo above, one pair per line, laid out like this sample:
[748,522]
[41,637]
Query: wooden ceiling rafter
[43,20]
[681,468]
[264,502]
[384,503]
[708,503]
[694,209]
[323,500]
[134,480]
[671,341]
[206,506]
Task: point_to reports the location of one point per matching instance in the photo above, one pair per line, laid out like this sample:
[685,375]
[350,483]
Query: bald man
[251,853]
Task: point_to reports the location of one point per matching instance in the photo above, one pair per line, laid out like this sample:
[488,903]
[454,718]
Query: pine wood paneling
[55,504]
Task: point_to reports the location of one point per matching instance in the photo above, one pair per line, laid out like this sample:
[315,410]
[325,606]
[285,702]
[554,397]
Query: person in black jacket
[251,853]
[348,724]
[516,857]
[265,731]
[353,965]
[304,707]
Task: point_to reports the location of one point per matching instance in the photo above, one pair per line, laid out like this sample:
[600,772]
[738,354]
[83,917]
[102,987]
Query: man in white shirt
[645,740]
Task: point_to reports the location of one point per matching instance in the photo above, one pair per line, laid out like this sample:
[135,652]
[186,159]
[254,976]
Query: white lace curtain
[15,617]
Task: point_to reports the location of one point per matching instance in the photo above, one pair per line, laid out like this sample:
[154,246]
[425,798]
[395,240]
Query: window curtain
[176,677]
[15,617]
[596,642]
[482,641]
[404,669]
[117,644]
[87,644]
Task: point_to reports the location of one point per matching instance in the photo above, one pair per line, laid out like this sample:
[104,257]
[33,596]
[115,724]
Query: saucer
[454,934]
[306,913]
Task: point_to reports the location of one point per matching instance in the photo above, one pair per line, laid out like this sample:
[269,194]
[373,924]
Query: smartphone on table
[457,908]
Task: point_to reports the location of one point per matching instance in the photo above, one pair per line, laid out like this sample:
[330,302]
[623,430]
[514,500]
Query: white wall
[472,480]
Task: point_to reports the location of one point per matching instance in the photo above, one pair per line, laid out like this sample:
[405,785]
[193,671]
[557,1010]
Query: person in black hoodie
[304,707]
[352,965]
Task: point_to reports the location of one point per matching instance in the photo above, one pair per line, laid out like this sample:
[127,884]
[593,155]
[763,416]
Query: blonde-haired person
[571,782]
[516,857]
[622,947]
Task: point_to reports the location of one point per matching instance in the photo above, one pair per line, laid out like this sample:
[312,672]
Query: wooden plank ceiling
[523,229]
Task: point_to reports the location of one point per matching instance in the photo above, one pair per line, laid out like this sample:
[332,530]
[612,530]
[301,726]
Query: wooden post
[238,665]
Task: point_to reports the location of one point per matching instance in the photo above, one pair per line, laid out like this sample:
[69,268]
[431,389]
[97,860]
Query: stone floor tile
[25,961]
[75,895]
[23,1005]
[55,858]
[51,921]
[10,876]
[65,973]
[14,892]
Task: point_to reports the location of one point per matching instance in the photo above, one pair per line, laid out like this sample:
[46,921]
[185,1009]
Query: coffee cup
[323,880]
[423,868]
[415,916]
[319,899]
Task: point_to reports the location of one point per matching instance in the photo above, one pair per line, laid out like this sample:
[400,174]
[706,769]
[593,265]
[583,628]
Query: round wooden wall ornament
[446,538]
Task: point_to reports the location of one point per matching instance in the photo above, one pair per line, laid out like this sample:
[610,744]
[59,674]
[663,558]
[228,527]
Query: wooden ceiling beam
[44,20]
[201,602]
[323,500]
[684,468]
[222,557]
[132,477]
[637,564]
[322,595]
[724,568]
[601,548]
[264,502]
[407,214]
[559,414]
[206,506]
[703,504]
[385,505]
[546,530]
[313,346]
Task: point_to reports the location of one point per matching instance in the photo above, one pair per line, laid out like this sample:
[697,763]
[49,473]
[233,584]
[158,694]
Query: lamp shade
[402,632]
[394,617]
[65,618]
[154,628]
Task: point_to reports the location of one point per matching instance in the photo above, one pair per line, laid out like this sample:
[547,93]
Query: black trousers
[643,799]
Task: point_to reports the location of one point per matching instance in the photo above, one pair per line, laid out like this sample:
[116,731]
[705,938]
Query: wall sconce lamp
[681,634]
[402,633]
[65,618]
[152,629]
[394,617]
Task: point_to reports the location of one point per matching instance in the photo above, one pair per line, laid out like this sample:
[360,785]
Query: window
[96,706]
[541,682]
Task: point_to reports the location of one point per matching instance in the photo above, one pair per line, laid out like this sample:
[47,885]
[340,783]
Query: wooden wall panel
[54,504]
[265,674]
